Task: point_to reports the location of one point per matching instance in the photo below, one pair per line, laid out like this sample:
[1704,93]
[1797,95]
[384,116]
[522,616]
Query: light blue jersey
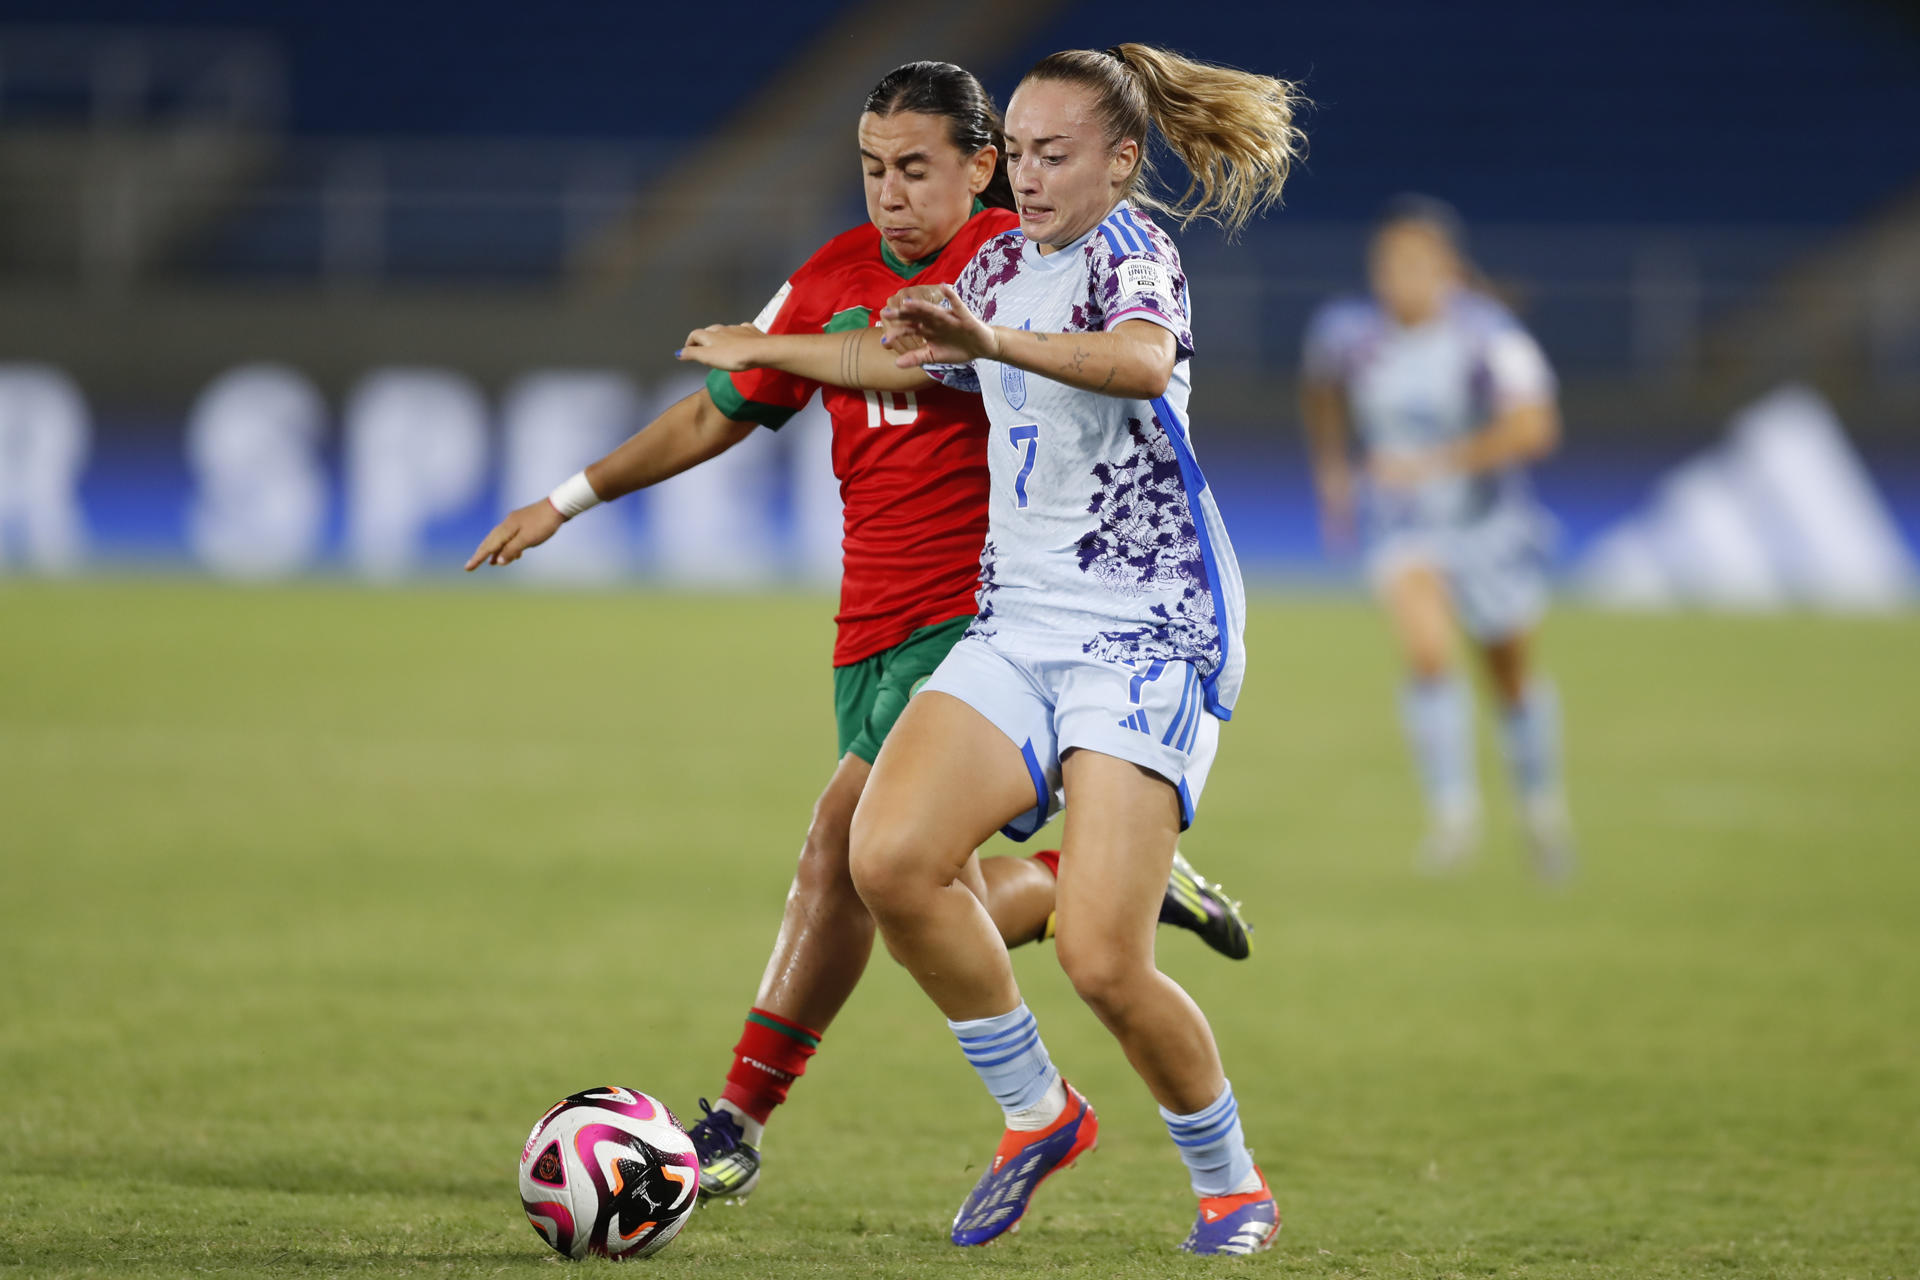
[1412,388]
[1409,389]
[1102,533]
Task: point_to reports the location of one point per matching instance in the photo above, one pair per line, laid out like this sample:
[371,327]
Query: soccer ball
[608,1171]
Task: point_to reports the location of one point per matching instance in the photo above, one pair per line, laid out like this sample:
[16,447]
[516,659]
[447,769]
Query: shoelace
[715,1133]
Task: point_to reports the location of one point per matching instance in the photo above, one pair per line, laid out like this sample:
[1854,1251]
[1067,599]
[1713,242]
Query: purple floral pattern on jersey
[983,597]
[954,377]
[1146,542]
[994,263]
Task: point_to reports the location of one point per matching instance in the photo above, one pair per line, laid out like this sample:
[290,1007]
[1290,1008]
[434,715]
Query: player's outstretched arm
[1133,361]
[853,359]
[1323,412]
[687,434]
[1518,435]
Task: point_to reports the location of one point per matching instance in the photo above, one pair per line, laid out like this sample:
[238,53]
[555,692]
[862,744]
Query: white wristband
[573,495]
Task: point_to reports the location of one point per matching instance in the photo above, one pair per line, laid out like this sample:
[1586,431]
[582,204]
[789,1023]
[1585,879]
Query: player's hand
[529,526]
[1401,471]
[928,324]
[733,347]
[897,336]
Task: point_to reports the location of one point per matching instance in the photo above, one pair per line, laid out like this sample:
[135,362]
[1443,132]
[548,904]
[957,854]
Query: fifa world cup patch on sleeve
[771,312]
[1138,276]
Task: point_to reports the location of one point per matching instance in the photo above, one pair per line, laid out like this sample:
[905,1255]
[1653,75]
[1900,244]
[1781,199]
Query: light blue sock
[1211,1144]
[1438,716]
[1010,1058]
[1531,734]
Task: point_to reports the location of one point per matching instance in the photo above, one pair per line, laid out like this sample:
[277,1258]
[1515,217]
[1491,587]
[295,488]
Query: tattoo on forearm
[850,359]
[1076,366]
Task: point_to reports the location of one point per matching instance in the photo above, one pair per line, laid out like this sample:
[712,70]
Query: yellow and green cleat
[729,1166]
[1194,903]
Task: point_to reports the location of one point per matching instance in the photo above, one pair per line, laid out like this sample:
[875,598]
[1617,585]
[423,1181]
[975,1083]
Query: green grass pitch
[311,899]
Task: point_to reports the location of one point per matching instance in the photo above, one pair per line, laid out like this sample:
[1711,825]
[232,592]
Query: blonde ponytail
[1233,130]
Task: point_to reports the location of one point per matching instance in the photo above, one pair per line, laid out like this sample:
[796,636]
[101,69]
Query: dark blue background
[1631,110]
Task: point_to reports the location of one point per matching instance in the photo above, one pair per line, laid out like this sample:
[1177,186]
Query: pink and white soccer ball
[608,1171]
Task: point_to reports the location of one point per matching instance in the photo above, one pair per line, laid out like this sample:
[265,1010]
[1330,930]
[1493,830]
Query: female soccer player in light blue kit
[1450,397]
[1107,646]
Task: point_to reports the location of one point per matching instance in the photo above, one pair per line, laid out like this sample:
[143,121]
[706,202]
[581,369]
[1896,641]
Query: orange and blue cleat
[1244,1223]
[1020,1164]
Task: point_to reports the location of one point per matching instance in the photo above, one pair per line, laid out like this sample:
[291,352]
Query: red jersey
[912,465]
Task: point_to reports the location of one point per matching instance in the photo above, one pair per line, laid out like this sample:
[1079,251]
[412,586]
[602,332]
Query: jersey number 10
[887,407]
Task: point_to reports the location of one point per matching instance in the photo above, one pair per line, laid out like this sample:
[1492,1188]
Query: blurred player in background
[1108,644]
[913,477]
[1449,397]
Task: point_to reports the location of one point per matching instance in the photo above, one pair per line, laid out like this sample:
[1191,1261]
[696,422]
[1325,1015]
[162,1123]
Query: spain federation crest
[1013,382]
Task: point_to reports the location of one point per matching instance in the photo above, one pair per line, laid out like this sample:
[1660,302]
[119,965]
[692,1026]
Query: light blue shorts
[1149,713]
[1495,569]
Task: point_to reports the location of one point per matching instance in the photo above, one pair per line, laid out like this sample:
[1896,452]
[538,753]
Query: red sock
[1050,859]
[771,1055]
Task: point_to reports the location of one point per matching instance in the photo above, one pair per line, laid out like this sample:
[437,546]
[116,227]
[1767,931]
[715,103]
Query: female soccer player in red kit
[913,478]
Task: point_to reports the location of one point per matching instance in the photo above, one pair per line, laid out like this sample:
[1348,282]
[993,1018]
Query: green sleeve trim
[851,318]
[731,404]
